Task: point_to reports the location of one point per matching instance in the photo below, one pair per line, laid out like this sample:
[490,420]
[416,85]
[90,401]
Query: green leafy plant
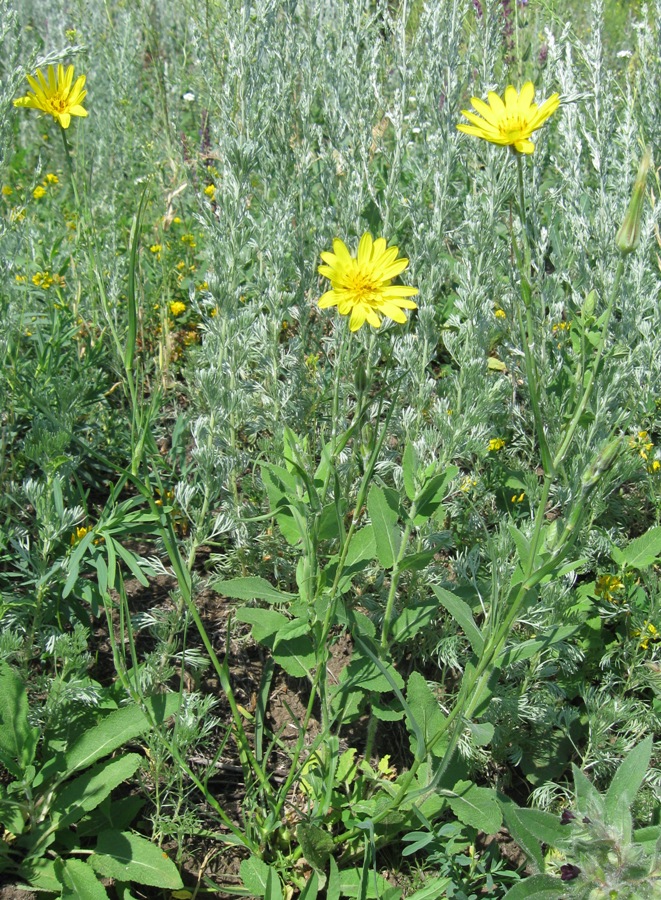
[600,855]
[62,829]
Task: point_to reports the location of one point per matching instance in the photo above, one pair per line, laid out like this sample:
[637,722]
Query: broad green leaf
[117,814]
[316,844]
[373,887]
[131,560]
[461,613]
[413,619]
[116,729]
[432,494]
[252,587]
[129,857]
[429,717]
[649,836]
[482,733]
[333,888]
[266,623]
[384,522]
[526,838]
[40,875]
[296,656]
[84,793]
[588,798]
[526,649]
[331,518]
[409,468]
[18,740]
[79,881]
[283,489]
[628,779]
[416,562]
[293,629]
[311,888]
[74,563]
[385,712]
[641,552]
[432,889]
[522,546]
[537,887]
[254,875]
[273,887]
[362,550]
[364,675]
[476,806]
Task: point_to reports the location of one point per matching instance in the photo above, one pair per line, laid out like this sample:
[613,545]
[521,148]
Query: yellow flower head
[7,191]
[362,285]
[177,308]
[496,444]
[56,94]
[509,123]
[52,178]
[39,192]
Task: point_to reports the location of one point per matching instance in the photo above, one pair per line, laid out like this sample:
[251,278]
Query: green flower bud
[360,377]
[628,236]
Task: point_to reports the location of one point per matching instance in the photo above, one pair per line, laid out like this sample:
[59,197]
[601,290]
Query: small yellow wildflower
[78,535]
[176,221]
[155,248]
[39,192]
[561,326]
[7,191]
[496,444]
[177,308]
[467,484]
[654,466]
[181,265]
[203,286]
[214,312]
[188,239]
[43,280]
[56,94]
[641,444]
[648,633]
[361,285]
[21,279]
[210,191]
[51,178]
[607,586]
[518,498]
[509,122]
[499,313]
[191,337]
[312,361]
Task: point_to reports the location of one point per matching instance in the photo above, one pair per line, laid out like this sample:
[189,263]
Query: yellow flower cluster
[46,280]
[642,444]
[607,586]
[648,634]
[177,308]
[496,444]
